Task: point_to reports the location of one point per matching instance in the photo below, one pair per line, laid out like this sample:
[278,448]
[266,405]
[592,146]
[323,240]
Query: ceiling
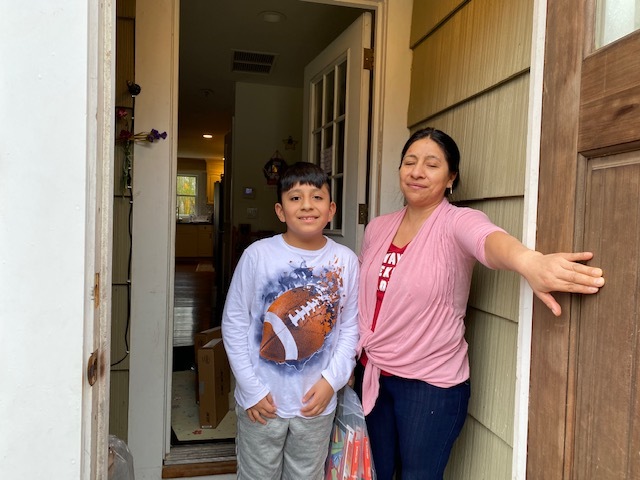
[212,30]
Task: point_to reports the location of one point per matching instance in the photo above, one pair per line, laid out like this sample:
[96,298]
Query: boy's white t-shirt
[269,276]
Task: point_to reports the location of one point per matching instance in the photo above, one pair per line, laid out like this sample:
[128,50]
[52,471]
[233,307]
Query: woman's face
[424,174]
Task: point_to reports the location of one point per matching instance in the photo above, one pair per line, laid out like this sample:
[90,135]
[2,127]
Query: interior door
[336,125]
[584,419]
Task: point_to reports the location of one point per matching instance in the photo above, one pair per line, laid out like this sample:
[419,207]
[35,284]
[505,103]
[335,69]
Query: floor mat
[205,267]
[185,420]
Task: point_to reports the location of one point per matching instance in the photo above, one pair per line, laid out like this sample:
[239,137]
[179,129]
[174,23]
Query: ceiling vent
[252,62]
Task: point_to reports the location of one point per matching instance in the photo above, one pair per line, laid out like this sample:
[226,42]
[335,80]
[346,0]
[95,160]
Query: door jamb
[521,407]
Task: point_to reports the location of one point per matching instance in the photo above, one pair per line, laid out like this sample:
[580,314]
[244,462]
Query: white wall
[264,117]
[44,158]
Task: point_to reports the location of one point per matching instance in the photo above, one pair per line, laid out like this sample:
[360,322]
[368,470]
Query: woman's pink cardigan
[420,328]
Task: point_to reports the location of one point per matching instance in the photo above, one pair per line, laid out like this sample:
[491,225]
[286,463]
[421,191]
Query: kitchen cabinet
[204,240]
[194,240]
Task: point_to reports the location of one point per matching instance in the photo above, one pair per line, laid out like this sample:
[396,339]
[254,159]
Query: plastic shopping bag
[349,450]
[120,460]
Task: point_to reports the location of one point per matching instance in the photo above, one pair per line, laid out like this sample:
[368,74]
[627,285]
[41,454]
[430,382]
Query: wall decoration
[274,168]
[249,192]
[290,143]
[326,159]
[126,139]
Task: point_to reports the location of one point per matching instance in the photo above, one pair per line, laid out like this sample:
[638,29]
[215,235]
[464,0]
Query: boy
[290,330]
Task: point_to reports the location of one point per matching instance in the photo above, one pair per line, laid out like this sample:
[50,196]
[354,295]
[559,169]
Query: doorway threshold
[200,460]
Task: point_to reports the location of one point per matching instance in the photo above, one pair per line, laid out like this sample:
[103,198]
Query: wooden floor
[194,308]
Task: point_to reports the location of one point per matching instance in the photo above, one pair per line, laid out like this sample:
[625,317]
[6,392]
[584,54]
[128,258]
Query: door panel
[607,360]
[584,407]
[336,125]
[610,95]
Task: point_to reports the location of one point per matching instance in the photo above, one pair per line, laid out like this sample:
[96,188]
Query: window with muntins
[187,190]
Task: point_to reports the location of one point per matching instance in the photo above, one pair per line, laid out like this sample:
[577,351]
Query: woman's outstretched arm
[554,272]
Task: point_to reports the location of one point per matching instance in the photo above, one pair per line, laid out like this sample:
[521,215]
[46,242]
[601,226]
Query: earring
[451,190]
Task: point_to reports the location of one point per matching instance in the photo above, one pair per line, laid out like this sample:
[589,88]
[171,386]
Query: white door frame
[523,358]
[99,239]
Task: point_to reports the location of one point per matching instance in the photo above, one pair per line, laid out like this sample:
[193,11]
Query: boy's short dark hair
[304,173]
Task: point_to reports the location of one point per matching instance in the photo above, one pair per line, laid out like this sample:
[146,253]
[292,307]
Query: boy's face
[306,209]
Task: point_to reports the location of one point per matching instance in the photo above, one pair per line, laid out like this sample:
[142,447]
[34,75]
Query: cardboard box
[200,339]
[214,383]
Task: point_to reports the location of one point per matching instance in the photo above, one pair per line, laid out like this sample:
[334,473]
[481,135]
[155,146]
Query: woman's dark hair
[304,173]
[445,142]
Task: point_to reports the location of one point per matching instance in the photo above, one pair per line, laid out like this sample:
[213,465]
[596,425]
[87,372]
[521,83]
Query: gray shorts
[283,449]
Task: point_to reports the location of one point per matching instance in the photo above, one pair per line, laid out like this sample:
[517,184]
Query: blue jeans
[413,426]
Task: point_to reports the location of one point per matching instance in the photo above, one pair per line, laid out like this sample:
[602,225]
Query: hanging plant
[127,139]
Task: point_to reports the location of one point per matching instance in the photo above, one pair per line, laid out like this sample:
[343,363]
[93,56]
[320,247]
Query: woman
[415,384]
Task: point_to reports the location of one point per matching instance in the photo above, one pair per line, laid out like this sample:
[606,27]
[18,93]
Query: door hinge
[363,213]
[367,62]
[96,290]
[92,369]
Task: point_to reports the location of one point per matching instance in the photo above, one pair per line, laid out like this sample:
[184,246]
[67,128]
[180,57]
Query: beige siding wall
[470,78]
[119,389]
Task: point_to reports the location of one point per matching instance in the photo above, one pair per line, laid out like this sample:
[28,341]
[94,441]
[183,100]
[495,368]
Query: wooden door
[584,418]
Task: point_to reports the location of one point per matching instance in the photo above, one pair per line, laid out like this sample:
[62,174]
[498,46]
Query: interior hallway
[193,309]
[198,451]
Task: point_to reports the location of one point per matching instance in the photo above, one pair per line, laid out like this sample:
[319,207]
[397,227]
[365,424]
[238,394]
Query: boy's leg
[259,447]
[306,448]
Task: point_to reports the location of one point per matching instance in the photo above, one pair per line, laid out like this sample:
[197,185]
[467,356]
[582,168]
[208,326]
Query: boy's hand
[317,398]
[352,378]
[264,408]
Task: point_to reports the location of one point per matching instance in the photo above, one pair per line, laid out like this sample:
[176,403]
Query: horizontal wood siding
[119,306]
[491,461]
[470,78]
[121,240]
[125,37]
[427,15]
[491,290]
[119,388]
[492,353]
[491,133]
[482,45]
[118,404]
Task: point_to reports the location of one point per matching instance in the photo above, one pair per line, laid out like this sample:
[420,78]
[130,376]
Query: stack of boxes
[213,377]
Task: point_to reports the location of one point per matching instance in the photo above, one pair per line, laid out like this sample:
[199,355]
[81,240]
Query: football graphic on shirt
[297,323]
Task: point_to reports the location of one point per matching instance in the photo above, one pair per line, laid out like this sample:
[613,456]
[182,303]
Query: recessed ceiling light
[207,135]
[272,17]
